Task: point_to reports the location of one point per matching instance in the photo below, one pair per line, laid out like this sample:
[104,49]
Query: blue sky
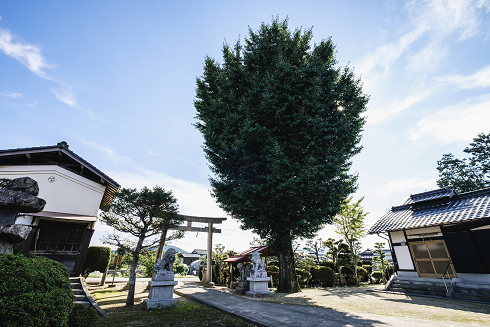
[116,80]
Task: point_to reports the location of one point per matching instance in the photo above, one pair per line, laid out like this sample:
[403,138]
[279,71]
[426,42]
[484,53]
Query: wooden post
[209,277]
[231,271]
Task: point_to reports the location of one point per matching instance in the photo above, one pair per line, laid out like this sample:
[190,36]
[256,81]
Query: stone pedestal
[259,287]
[242,287]
[161,295]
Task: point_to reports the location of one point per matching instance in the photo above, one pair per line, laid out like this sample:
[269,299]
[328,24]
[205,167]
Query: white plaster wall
[474,278]
[397,237]
[403,257]
[69,193]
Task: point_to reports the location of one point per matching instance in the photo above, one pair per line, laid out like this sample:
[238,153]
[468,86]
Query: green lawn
[186,313]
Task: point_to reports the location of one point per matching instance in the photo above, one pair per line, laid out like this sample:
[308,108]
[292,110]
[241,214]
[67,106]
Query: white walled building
[440,232]
[74,191]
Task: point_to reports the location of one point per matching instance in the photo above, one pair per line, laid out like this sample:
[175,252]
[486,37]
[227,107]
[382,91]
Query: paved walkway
[273,314]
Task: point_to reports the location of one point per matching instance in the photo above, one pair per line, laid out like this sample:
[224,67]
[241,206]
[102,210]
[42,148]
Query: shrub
[369,268]
[34,291]
[362,274]
[377,275]
[181,269]
[303,276]
[324,276]
[201,269]
[82,316]
[329,264]
[390,270]
[98,258]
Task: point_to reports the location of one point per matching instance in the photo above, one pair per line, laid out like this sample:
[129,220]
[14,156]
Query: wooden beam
[204,219]
[196,229]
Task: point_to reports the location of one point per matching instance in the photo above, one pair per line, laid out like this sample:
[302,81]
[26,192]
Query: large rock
[24,184]
[14,233]
[21,201]
[19,196]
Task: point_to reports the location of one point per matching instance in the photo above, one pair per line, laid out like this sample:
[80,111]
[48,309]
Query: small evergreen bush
[390,270]
[82,316]
[303,276]
[34,291]
[377,275]
[322,275]
[362,274]
[98,258]
[181,269]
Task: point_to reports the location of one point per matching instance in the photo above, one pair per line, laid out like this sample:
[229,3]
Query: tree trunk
[132,274]
[355,273]
[161,246]
[288,281]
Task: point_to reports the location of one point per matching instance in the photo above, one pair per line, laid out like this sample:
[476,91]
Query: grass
[358,300]
[186,313]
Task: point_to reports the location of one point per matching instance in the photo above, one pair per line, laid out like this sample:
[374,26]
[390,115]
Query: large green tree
[467,174]
[281,122]
[142,214]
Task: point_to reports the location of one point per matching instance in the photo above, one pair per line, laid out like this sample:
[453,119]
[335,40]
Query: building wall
[63,190]
[402,252]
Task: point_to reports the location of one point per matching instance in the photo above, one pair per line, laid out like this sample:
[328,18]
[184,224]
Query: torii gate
[210,230]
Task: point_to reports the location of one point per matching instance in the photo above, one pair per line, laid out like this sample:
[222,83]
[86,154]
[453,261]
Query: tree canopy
[142,214]
[467,174]
[281,123]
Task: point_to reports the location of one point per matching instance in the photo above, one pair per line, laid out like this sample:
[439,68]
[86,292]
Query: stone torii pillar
[208,280]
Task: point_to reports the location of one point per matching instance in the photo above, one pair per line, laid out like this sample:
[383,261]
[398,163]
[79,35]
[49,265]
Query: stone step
[418,291]
[76,285]
[78,291]
[421,283]
[420,288]
[471,291]
[472,297]
[80,297]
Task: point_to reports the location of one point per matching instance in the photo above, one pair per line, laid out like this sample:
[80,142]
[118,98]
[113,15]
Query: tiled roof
[429,196]
[435,208]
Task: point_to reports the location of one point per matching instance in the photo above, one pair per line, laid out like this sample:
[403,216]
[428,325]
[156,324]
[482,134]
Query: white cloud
[406,184]
[66,94]
[12,95]
[27,54]
[377,115]
[434,25]
[479,79]
[460,122]
[31,56]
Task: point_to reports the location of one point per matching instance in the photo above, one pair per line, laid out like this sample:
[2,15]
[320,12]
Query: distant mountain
[176,248]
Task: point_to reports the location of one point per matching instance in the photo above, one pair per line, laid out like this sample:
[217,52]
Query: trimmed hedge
[98,258]
[322,275]
[377,275]
[83,316]
[34,292]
